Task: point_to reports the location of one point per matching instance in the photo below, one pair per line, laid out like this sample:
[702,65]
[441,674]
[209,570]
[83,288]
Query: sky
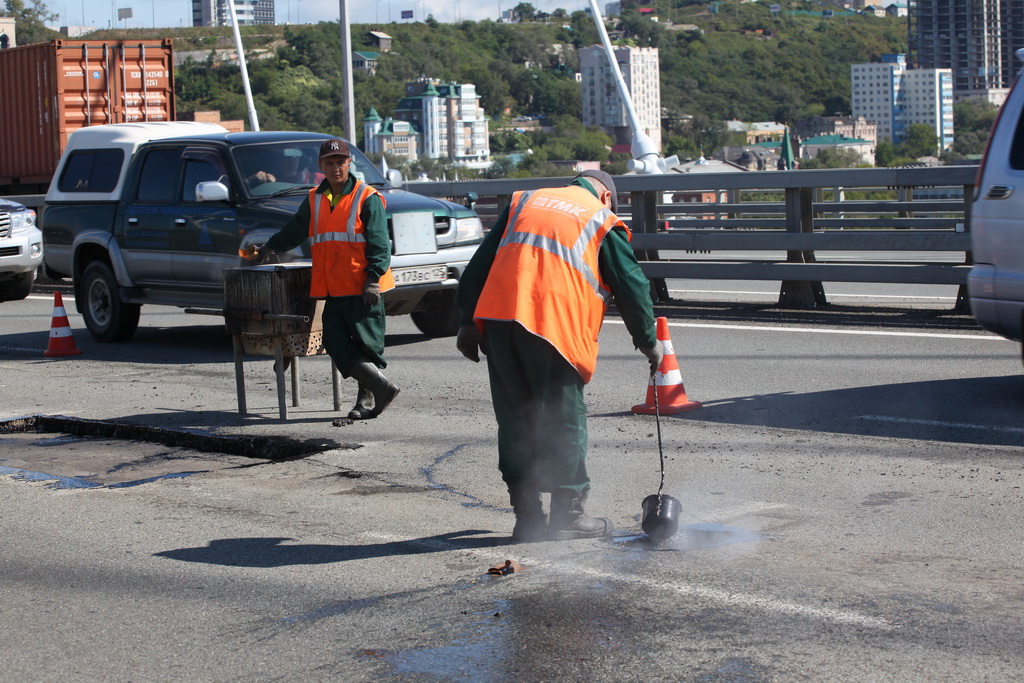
[176,13]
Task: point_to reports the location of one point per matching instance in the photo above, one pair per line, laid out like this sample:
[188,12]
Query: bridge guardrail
[703,226]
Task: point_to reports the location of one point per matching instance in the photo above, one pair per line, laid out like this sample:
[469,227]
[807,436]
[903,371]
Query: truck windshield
[275,167]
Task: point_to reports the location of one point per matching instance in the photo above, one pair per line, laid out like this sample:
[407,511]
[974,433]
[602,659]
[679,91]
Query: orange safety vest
[338,244]
[545,274]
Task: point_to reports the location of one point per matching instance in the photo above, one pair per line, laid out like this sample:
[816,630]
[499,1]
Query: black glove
[371,293]
[654,355]
[263,254]
[468,342]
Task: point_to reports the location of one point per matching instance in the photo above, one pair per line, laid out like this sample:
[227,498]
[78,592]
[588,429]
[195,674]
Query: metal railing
[801,228]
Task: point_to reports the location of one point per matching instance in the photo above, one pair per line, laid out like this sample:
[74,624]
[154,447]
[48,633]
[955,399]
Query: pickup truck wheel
[18,287]
[440,315]
[106,316]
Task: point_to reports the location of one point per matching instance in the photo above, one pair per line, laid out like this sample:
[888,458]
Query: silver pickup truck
[153,213]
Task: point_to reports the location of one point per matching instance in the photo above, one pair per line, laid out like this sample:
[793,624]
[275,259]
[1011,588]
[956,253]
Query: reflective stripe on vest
[546,274]
[350,234]
[339,257]
[573,256]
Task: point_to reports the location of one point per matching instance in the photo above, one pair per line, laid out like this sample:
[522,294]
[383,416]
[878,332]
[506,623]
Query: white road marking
[731,598]
[941,423]
[870,333]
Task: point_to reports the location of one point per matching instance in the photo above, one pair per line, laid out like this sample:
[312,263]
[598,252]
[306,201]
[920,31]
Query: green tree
[835,158]
[972,121]
[509,140]
[887,154]
[30,21]
[582,29]
[524,11]
[920,141]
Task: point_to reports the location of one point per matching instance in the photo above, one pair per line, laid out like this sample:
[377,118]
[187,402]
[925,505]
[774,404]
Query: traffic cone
[62,343]
[668,380]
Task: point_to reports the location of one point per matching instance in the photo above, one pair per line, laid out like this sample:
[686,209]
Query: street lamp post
[347,94]
[253,117]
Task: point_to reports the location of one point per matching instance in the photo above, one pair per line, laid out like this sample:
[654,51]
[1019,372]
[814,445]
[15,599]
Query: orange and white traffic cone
[62,342]
[668,381]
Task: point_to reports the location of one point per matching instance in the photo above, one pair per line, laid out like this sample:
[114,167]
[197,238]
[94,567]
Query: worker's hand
[468,342]
[654,355]
[263,254]
[371,293]
[262,177]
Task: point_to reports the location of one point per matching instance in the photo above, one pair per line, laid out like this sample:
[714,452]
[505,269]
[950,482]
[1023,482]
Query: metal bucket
[660,516]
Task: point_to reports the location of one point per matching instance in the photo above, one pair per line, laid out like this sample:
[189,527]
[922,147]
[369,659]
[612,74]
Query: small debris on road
[506,567]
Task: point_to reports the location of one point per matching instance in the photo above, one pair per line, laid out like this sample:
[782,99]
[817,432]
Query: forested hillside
[728,71]
[742,63]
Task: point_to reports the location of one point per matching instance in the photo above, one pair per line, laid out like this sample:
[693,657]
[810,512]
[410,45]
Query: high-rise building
[893,97]
[602,105]
[247,12]
[975,40]
[450,121]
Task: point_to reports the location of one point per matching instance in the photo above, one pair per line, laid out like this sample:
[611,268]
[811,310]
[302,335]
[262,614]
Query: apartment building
[602,105]
[247,12]
[975,40]
[449,120]
[846,126]
[894,97]
[387,136]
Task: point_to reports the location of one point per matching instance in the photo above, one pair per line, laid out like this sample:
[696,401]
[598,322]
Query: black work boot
[569,521]
[530,517]
[364,404]
[369,376]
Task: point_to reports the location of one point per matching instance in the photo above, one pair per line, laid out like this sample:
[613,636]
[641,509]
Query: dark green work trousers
[538,402]
[353,332]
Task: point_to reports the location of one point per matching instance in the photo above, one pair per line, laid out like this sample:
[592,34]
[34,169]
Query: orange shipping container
[53,89]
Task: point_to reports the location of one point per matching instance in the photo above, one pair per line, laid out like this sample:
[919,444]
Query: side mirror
[471,199]
[395,177]
[212,191]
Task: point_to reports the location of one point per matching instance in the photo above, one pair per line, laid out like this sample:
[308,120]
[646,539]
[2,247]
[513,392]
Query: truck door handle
[179,221]
[133,221]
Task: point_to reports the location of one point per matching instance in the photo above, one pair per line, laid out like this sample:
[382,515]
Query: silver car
[21,250]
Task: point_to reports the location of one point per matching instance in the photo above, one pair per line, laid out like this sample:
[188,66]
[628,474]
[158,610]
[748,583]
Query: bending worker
[345,222]
[533,300]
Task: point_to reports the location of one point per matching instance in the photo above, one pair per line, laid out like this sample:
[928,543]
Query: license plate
[415,276]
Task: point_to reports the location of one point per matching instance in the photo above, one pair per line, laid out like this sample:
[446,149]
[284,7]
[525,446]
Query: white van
[996,282]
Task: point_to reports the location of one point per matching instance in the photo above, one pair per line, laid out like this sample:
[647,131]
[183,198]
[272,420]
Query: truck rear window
[91,170]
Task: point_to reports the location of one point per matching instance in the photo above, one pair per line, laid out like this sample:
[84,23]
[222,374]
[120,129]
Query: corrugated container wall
[53,89]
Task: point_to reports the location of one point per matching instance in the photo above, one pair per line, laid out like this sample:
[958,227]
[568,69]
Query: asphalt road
[851,492]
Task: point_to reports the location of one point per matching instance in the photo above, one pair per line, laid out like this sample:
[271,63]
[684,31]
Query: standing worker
[345,222]
[533,300]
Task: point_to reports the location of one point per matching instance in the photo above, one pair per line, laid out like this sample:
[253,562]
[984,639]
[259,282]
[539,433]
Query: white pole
[253,119]
[644,151]
[347,94]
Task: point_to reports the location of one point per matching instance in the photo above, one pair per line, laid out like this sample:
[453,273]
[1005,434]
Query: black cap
[334,147]
[606,180]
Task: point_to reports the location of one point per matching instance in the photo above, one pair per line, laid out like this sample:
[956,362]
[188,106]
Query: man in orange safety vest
[533,300]
[344,220]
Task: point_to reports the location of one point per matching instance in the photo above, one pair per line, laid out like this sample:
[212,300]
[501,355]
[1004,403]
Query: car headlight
[468,229]
[23,220]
